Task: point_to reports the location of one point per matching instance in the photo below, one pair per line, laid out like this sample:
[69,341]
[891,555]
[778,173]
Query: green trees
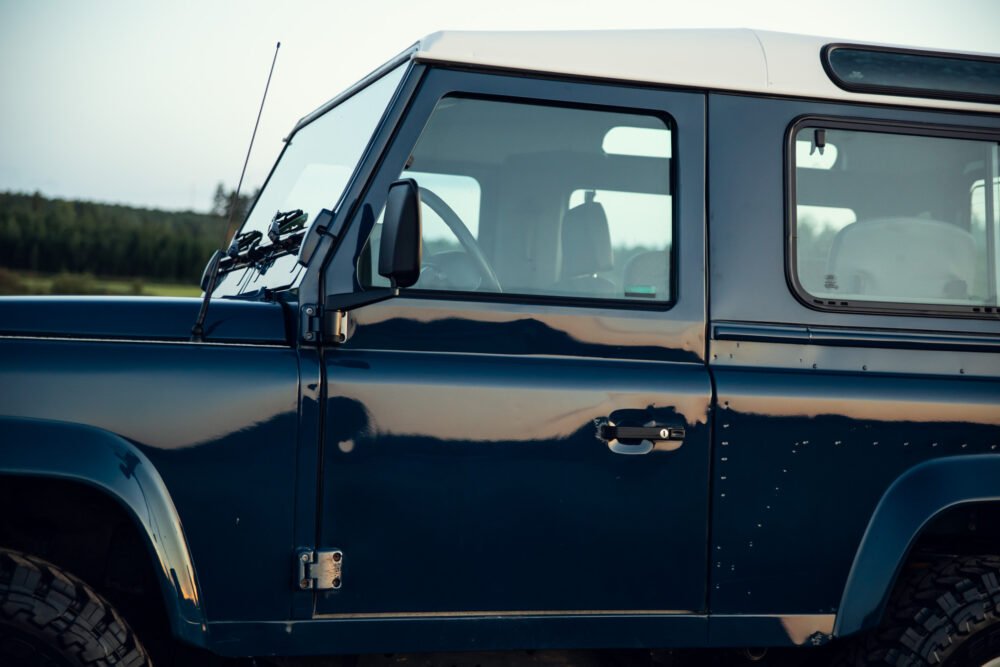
[55,235]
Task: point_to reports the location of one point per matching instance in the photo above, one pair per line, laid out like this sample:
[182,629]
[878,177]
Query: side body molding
[44,448]
[908,505]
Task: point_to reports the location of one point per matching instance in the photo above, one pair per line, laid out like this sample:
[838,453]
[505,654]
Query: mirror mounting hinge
[336,325]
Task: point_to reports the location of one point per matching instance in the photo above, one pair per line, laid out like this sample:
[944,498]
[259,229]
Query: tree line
[47,235]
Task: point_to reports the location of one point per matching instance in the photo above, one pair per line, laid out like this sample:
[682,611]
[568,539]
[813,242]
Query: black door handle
[639,439]
[653,433]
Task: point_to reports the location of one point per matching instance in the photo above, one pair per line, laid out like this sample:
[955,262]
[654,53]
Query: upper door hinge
[317,326]
[319,569]
[310,323]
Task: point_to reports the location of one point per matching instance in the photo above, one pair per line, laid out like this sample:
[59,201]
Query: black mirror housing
[210,268]
[400,252]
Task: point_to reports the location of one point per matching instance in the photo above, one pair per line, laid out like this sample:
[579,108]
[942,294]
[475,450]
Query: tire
[947,615]
[51,618]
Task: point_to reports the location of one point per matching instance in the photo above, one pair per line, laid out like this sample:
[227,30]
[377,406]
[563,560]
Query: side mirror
[399,254]
[208,275]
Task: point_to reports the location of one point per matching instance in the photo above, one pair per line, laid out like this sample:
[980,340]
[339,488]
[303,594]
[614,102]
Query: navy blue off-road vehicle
[546,348]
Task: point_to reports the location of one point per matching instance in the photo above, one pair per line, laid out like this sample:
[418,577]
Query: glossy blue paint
[144,318]
[907,506]
[467,423]
[819,412]
[499,492]
[34,447]
[218,424]
[802,460]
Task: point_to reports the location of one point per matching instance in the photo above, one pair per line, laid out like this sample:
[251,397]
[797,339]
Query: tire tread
[53,606]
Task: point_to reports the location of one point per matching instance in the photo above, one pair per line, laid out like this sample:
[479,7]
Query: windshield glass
[311,175]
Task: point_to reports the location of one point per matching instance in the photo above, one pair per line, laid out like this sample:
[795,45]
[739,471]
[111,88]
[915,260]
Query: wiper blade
[285,232]
[256,255]
[242,242]
[286,222]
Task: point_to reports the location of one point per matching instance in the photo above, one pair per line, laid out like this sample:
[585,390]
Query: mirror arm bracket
[330,324]
[354,300]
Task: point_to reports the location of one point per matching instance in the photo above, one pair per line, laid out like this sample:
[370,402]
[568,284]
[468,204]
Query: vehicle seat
[586,250]
[902,258]
[647,275]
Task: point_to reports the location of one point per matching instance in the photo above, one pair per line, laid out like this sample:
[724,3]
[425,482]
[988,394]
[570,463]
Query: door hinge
[318,326]
[311,323]
[320,569]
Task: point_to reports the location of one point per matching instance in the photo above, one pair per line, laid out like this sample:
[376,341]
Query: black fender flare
[907,506]
[117,468]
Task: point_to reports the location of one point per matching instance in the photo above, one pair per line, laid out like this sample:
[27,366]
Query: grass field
[19,282]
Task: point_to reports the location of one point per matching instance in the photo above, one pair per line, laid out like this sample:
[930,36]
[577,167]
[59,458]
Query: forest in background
[60,246]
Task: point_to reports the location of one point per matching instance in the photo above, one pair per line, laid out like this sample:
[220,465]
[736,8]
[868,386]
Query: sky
[153,104]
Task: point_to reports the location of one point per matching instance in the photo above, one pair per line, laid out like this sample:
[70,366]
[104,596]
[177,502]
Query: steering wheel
[464,236]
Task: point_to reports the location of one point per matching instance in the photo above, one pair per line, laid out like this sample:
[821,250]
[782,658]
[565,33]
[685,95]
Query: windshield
[311,175]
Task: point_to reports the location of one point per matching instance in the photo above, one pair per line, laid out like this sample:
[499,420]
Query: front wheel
[50,618]
[947,615]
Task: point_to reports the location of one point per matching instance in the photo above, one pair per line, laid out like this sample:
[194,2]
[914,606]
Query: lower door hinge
[320,569]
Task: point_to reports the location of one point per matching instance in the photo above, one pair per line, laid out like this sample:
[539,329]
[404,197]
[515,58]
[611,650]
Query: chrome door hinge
[317,326]
[319,570]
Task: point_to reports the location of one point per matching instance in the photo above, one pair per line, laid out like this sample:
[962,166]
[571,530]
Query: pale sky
[153,104]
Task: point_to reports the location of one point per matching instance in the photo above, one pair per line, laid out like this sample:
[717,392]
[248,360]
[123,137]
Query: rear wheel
[947,614]
[50,618]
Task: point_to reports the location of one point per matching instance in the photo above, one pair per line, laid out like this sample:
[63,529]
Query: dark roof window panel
[913,73]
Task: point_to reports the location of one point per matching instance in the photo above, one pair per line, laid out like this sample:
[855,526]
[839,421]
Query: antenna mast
[212,270]
[246,161]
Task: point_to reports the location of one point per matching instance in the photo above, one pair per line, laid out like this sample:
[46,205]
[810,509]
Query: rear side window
[895,220]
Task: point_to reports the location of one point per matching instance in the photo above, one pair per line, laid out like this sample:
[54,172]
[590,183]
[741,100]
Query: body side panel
[819,413]
[217,423]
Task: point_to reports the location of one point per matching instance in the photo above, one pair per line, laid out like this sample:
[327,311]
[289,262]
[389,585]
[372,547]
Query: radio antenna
[246,161]
[212,270]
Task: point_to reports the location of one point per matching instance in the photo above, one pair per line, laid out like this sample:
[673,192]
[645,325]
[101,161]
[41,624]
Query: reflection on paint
[808,628]
[412,324]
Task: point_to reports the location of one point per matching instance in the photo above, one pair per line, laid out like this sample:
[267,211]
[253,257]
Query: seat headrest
[912,258]
[586,240]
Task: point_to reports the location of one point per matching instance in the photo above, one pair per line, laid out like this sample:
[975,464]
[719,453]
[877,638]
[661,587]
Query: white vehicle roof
[772,63]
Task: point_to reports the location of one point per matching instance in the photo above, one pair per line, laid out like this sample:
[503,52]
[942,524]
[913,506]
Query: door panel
[462,468]
[474,482]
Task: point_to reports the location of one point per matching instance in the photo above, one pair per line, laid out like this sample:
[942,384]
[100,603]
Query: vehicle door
[475,456]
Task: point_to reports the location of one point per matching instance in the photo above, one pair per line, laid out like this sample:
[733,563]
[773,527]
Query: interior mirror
[399,254]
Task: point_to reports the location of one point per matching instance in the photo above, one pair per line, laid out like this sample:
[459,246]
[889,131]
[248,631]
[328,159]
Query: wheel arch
[904,514]
[116,469]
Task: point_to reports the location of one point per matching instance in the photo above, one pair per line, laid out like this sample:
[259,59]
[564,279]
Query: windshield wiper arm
[286,222]
[242,242]
[245,250]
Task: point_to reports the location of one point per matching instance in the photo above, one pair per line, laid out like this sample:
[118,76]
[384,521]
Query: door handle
[655,433]
[644,436]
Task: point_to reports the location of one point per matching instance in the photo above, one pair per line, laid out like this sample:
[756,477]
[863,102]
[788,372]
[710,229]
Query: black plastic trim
[816,302]
[536,299]
[354,89]
[850,337]
[902,91]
